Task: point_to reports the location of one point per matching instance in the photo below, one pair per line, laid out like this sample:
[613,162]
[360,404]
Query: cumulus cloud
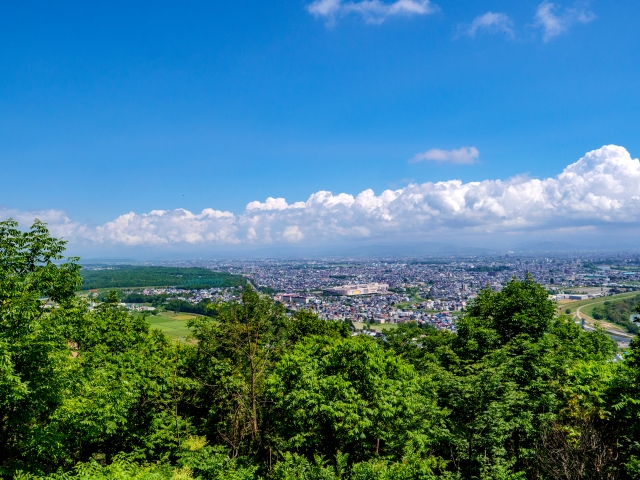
[162,227]
[464,155]
[489,22]
[594,194]
[372,11]
[554,20]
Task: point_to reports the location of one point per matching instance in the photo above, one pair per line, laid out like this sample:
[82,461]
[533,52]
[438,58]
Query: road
[622,338]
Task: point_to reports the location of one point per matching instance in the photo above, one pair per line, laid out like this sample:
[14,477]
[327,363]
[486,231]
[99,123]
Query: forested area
[518,393]
[133,276]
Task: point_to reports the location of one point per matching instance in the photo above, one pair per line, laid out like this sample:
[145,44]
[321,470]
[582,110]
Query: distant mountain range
[355,250]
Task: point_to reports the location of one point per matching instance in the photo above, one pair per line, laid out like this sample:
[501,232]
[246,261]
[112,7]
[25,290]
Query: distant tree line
[163,300]
[130,276]
[200,308]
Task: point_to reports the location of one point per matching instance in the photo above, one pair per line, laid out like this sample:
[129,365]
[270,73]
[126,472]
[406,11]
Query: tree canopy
[255,393]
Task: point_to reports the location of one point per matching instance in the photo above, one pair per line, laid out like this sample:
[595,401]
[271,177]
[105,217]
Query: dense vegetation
[138,276]
[518,393]
[200,308]
[618,312]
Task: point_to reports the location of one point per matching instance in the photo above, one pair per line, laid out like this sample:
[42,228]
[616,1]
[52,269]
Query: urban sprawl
[432,291]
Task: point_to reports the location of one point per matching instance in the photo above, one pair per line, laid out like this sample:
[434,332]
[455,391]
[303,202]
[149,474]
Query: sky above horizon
[205,125]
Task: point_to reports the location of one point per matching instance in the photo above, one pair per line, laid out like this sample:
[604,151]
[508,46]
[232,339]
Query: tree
[127,389]
[350,395]
[234,352]
[305,323]
[34,355]
[495,318]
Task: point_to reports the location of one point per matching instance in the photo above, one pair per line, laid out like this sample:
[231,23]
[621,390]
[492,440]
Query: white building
[358,289]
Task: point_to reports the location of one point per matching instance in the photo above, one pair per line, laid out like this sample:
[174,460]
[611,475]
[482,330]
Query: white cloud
[555,21]
[58,222]
[490,22]
[596,193]
[464,155]
[372,11]
[292,234]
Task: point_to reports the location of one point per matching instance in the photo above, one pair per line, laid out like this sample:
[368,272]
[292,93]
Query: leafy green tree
[623,406]
[518,393]
[351,396]
[500,379]
[423,346]
[34,354]
[112,297]
[305,323]
[582,441]
[520,308]
[235,350]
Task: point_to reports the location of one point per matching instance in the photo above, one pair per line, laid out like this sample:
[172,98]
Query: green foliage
[494,318]
[112,297]
[134,276]
[200,308]
[213,463]
[155,300]
[349,395]
[33,352]
[518,393]
[306,324]
[297,467]
[119,469]
[233,356]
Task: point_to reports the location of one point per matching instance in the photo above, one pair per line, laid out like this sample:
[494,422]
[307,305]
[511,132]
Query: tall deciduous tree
[235,349]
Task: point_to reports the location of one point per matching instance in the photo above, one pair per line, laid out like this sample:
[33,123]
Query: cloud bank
[597,193]
[372,11]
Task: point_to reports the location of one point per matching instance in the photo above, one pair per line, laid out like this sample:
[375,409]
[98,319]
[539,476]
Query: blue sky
[113,107]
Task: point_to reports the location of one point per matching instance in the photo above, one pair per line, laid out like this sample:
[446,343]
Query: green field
[172,324]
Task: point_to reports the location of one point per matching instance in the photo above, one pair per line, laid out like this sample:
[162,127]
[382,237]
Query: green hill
[122,276]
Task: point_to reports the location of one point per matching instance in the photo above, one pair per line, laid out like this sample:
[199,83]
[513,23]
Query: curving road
[612,333]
